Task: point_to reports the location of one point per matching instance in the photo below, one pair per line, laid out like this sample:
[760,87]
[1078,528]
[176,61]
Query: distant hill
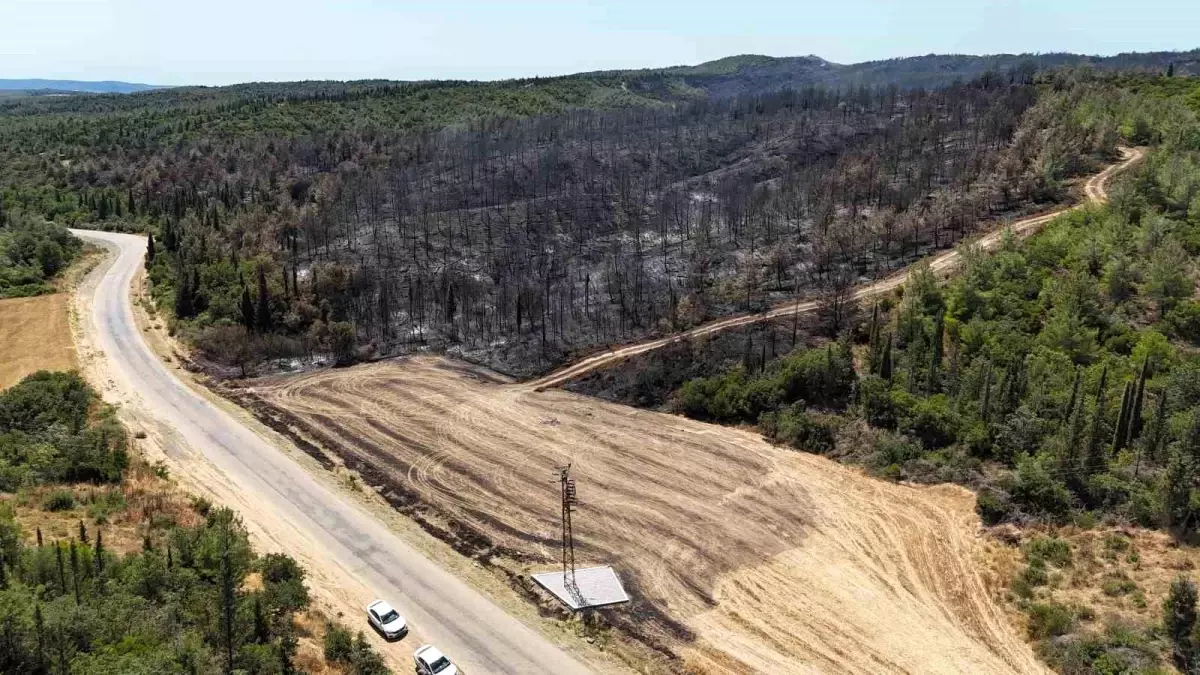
[752,73]
[74,86]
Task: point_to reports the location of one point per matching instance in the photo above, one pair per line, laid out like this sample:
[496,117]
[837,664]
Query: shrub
[994,507]
[892,452]
[339,646]
[823,377]
[1053,550]
[810,432]
[283,579]
[106,504]
[44,399]
[1039,492]
[342,340]
[1117,583]
[1183,321]
[1034,574]
[59,500]
[1120,649]
[876,398]
[931,422]
[1049,619]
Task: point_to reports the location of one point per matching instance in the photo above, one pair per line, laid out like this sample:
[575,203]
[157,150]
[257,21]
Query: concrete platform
[597,587]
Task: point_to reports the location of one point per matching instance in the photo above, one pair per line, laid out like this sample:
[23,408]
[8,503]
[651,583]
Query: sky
[212,42]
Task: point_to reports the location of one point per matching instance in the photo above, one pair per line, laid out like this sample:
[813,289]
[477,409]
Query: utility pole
[569,502]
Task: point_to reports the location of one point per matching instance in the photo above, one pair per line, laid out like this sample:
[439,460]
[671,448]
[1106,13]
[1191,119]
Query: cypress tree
[184,306]
[1074,400]
[287,646]
[873,340]
[1074,422]
[1006,384]
[262,633]
[228,601]
[247,309]
[75,572]
[99,556]
[1136,422]
[1158,428]
[39,537]
[952,371]
[1097,460]
[885,365]
[263,318]
[83,535]
[985,396]
[1179,622]
[935,354]
[195,290]
[1122,430]
[62,573]
[150,250]
[939,337]
[39,631]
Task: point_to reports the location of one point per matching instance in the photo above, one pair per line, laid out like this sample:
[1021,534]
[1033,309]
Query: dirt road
[743,557]
[1094,193]
[350,555]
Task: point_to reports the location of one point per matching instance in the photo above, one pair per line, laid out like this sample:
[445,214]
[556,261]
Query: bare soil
[743,557]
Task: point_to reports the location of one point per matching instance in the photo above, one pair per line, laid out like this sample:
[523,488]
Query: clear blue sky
[225,41]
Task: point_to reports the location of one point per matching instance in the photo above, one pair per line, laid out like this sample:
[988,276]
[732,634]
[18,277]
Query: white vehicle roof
[429,654]
[381,607]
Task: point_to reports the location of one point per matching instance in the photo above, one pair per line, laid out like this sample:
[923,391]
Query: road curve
[1094,193]
[440,607]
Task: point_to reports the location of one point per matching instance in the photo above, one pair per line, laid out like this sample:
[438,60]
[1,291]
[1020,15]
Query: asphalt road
[470,628]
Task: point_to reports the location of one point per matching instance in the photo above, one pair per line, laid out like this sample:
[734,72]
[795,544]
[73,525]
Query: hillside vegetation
[32,253]
[194,599]
[519,222]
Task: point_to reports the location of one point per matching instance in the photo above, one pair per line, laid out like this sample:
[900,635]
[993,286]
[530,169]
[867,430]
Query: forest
[518,223]
[32,252]
[183,603]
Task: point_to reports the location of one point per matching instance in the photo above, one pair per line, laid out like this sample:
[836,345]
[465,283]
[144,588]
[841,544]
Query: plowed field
[744,557]
[35,334]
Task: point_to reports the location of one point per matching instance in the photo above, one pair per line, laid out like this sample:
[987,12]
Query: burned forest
[519,241]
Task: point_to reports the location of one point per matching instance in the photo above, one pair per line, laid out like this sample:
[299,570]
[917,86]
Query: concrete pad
[596,587]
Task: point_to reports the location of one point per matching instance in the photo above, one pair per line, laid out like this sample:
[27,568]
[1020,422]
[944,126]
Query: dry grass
[1145,561]
[35,334]
[744,557]
[148,505]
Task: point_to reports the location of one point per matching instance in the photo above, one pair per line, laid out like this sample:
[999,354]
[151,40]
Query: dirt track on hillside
[1094,190]
[747,557]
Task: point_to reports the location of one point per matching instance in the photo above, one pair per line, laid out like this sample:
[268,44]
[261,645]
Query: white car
[430,661]
[386,620]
